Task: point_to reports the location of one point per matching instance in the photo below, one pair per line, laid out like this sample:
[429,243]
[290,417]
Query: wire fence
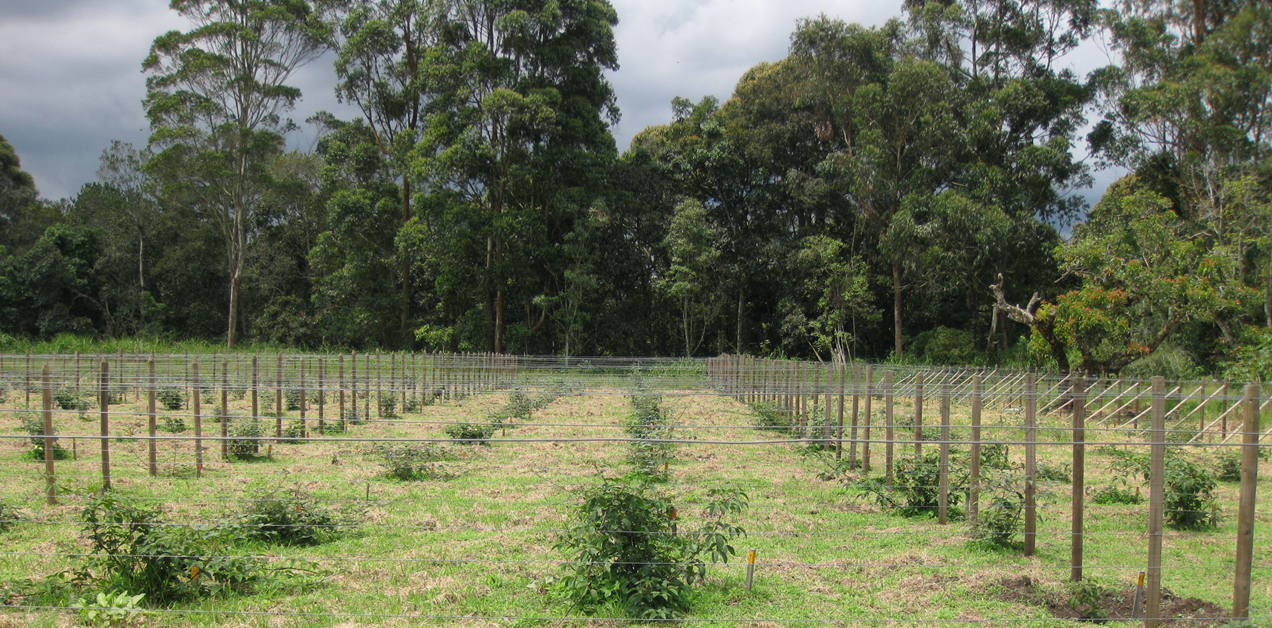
[819,448]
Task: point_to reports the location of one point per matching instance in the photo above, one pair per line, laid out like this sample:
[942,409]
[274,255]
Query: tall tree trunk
[236,278]
[499,320]
[406,264]
[896,307]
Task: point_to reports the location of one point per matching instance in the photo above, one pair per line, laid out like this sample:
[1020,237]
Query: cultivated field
[472,540]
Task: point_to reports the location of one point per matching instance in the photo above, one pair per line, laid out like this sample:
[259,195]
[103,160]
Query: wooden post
[827,425]
[353,385]
[77,376]
[304,428]
[973,481]
[152,446]
[1156,503]
[26,387]
[1031,463]
[198,420]
[341,386]
[839,422]
[50,489]
[379,386]
[856,400]
[888,428]
[278,399]
[918,415]
[1079,476]
[104,404]
[322,398]
[256,391]
[1245,508]
[944,496]
[865,444]
[225,409]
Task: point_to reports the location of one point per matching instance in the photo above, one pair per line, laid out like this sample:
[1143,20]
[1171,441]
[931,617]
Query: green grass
[824,551]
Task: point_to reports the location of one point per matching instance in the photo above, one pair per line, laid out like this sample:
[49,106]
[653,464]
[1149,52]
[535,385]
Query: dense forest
[890,192]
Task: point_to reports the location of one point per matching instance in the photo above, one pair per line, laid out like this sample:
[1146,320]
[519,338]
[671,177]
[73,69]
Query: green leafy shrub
[244,442]
[172,424]
[649,424]
[994,456]
[293,432]
[1189,495]
[133,549]
[290,518]
[624,555]
[388,404]
[67,398]
[172,399]
[1000,518]
[1229,467]
[33,424]
[410,461]
[1086,596]
[916,487]
[471,433]
[291,399]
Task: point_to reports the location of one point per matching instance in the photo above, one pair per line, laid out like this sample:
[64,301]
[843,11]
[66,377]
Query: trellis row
[734,376]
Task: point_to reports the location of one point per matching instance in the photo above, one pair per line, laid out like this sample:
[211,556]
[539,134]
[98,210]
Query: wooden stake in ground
[943,498]
[198,419]
[50,489]
[1031,463]
[341,385]
[1079,477]
[839,441]
[278,399]
[225,409]
[353,385]
[152,446]
[973,481]
[104,404]
[322,399]
[856,401]
[304,428]
[1245,509]
[888,428]
[1156,503]
[918,415]
[865,437]
[256,393]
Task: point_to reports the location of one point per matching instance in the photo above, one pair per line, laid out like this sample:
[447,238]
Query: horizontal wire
[591,619]
[495,561]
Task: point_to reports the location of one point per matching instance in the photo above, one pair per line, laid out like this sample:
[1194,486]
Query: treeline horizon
[886,193]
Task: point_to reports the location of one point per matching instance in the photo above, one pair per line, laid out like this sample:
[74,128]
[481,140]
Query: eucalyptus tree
[216,99]
[520,133]
[382,67]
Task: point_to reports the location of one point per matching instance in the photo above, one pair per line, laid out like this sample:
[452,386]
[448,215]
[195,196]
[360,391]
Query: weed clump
[283,517]
[33,425]
[410,462]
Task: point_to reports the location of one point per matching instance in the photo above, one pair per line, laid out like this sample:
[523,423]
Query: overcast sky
[71,81]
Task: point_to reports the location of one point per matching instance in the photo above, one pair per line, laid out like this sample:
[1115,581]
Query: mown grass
[478,544]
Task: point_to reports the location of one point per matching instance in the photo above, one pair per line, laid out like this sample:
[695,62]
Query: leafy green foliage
[1189,500]
[170,398]
[625,553]
[33,424]
[245,439]
[916,486]
[1000,518]
[648,425]
[1229,469]
[1086,596]
[114,608]
[284,517]
[132,548]
[410,462]
[66,399]
[9,517]
[1114,495]
[466,433]
[172,424]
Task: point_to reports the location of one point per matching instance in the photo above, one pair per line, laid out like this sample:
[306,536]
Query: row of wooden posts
[452,376]
[445,374]
[786,384]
